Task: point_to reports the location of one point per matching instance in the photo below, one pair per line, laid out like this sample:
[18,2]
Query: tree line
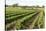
[16,5]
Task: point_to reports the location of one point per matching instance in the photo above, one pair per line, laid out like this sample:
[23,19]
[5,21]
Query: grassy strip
[41,20]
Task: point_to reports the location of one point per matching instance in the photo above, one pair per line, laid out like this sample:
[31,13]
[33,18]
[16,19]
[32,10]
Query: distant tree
[43,6]
[33,6]
[24,7]
[37,6]
[15,5]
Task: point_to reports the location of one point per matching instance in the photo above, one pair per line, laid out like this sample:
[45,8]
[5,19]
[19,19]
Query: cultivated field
[19,18]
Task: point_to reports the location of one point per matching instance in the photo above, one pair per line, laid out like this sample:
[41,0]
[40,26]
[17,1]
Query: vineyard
[19,19]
